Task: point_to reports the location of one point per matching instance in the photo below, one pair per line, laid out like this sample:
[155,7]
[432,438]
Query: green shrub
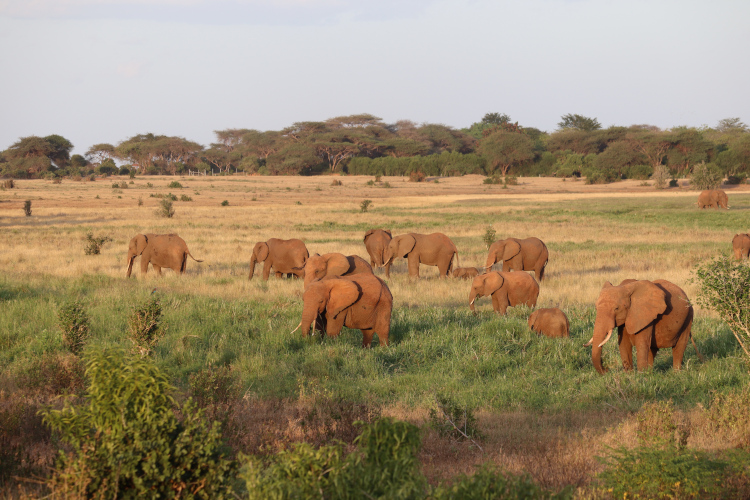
[657,426]
[736,179]
[706,176]
[489,236]
[185,197]
[225,203]
[453,420]
[510,180]
[74,325]
[175,185]
[27,208]
[144,328]
[165,208]
[490,483]
[639,172]
[386,185]
[94,244]
[127,441]
[215,390]
[148,184]
[674,183]
[365,205]
[660,176]
[370,183]
[725,420]
[492,180]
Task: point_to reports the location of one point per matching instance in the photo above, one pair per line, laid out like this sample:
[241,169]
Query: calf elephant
[161,250]
[741,246]
[715,198]
[507,289]
[649,315]
[284,256]
[362,301]
[550,322]
[376,241]
[529,254]
[434,249]
[318,266]
[465,272]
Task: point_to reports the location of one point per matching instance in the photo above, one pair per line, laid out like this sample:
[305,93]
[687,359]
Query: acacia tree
[578,122]
[100,152]
[505,150]
[33,154]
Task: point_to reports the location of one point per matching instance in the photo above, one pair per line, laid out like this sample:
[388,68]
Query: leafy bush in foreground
[74,324]
[144,326]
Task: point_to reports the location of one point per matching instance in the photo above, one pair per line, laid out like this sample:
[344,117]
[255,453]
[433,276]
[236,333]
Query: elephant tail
[700,356]
[458,264]
[191,256]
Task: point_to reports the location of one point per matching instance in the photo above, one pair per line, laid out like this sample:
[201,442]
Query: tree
[221,159]
[688,147]
[731,124]
[230,138]
[504,150]
[100,152]
[578,122]
[60,149]
[33,154]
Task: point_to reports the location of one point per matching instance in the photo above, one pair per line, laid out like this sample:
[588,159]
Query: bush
[639,172]
[453,420]
[365,205]
[127,442]
[674,183]
[215,391]
[140,201]
[185,197]
[706,176]
[492,180]
[736,179]
[489,237]
[660,176]
[94,244]
[74,325]
[336,182]
[27,208]
[225,203]
[417,176]
[488,483]
[165,208]
[175,185]
[724,420]
[8,184]
[510,180]
[144,327]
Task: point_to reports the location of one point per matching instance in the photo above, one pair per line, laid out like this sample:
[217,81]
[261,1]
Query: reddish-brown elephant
[434,249]
[160,250]
[529,254]
[508,289]
[318,266]
[376,241]
[550,322]
[361,301]
[649,315]
[741,246]
[284,256]
[716,198]
[465,273]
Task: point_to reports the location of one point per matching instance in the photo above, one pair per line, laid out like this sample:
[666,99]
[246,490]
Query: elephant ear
[405,245]
[341,295]
[647,302]
[368,233]
[493,282]
[388,232]
[512,248]
[337,264]
[261,251]
[532,319]
[141,241]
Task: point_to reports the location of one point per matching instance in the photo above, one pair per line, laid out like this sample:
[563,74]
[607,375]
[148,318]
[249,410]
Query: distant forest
[365,145]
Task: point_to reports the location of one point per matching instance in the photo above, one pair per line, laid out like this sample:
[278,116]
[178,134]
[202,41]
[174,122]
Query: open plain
[541,407]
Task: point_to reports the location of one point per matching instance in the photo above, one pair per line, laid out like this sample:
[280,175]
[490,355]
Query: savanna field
[540,407]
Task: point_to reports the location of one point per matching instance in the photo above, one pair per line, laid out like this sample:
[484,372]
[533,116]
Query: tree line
[364,145]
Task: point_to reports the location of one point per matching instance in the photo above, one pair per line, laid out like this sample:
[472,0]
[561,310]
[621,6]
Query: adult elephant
[529,254]
[506,288]
[649,315]
[550,322]
[362,301]
[434,249]
[376,241]
[715,198]
[160,250]
[741,246]
[318,266]
[284,256]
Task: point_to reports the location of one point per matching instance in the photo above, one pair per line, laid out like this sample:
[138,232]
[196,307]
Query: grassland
[541,405]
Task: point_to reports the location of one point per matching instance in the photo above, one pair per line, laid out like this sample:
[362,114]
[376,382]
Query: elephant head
[333,296]
[635,304]
[135,248]
[399,247]
[318,267]
[501,251]
[260,253]
[483,285]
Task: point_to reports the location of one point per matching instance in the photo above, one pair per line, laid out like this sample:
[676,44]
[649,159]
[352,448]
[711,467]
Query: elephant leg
[157,269]
[278,274]
[413,266]
[651,355]
[333,327]
[367,337]
[266,270]
[506,266]
[678,351]
[444,269]
[500,303]
[626,352]
[388,270]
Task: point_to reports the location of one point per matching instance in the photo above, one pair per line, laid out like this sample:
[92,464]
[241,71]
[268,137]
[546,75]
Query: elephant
[434,249]
[284,256]
[716,198]
[465,272]
[376,241]
[318,266]
[550,322]
[508,289]
[741,245]
[361,301]
[649,315]
[529,254]
[161,250]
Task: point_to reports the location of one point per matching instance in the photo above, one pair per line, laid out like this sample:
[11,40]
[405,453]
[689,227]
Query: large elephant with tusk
[319,266]
[507,290]
[361,301]
[649,315]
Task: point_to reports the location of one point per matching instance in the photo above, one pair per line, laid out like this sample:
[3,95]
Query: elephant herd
[342,290]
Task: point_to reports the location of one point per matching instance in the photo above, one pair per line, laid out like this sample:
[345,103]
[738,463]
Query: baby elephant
[508,289]
[465,272]
[550,322]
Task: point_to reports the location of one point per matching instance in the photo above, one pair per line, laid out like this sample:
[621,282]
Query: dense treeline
[365,145]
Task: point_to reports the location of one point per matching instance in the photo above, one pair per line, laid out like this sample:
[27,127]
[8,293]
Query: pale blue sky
[104,70]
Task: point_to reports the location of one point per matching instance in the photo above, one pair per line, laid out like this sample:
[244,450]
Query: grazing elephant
[741,246]
[376,241]
[318,266]
[507,289]
[434,249]
[465,272]
[284,256]
[360,301]
[716,198]
[161,250]
[649,315]
[529,254]
[550,322]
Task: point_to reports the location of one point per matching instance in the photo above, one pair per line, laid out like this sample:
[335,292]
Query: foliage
[490,235]
[225,203]
[417,176]
[578,122]
[489,483]
[656,426]
[27,208]
[8,184]
[505,150]
[336,182]
[174,184]
[215,390]
[726,415]
[185,197]
[453,420]
[365,205]
[494,179]
[706,176]
[144,326]
[736,179]
[510,180]
[140,201]
[660,176]
[74,325]
[724,287]
[165,208]
[94,244]
[127,441]
[444,164]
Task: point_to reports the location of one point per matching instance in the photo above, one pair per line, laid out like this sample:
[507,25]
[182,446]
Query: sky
[99,71]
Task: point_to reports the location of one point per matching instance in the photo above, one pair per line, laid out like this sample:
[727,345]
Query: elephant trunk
[472,297]
[309,315]
[131,258]
[490,262]
[602,331]
[253,260]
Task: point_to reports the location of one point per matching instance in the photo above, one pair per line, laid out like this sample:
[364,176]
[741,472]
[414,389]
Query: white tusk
[300,324]
[591,341]
[472,301]
[606,338]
